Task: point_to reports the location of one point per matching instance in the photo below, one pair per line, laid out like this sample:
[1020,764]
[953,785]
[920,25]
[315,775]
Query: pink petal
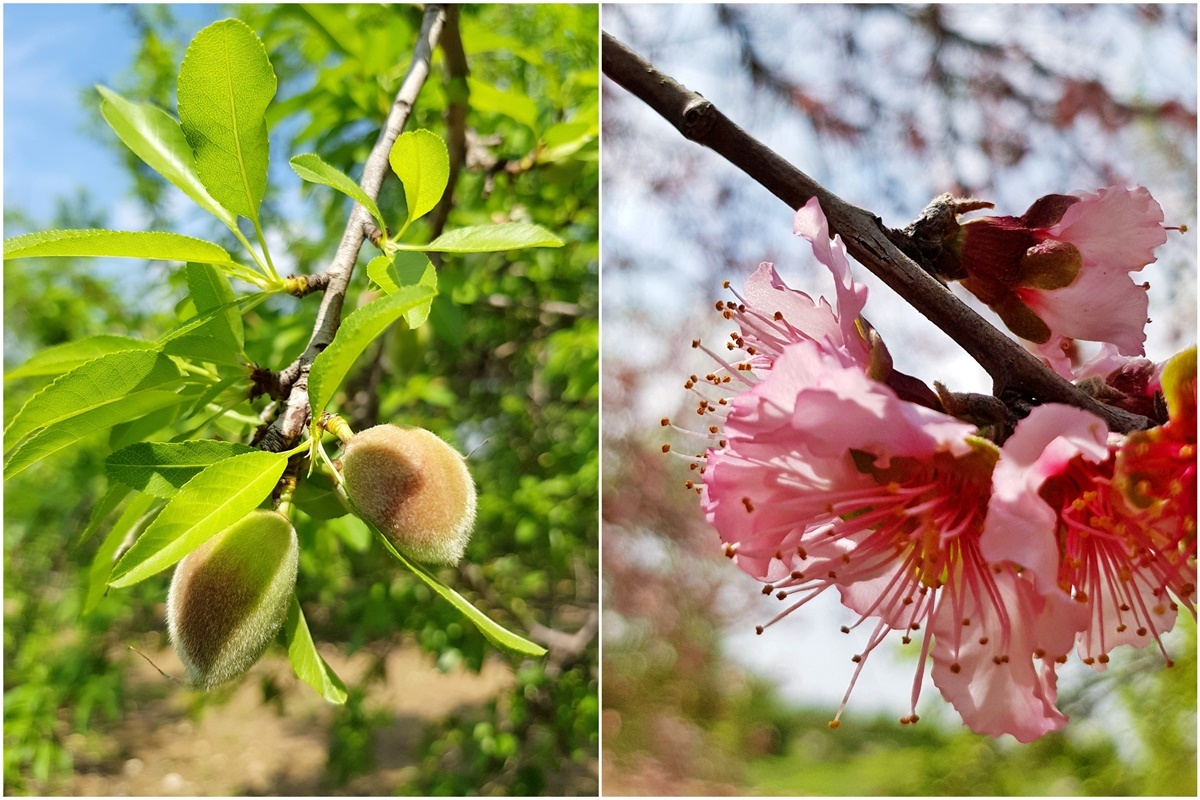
[1115,227]
[766,293]
[842,409]
[1102,305]
[1102,364]
[810,222]
[1103,631]
[1020,525]
[1010,623]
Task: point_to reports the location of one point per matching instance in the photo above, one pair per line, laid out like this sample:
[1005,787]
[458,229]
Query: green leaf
[237,383]
[405,268]
[157,139]
[101,510]
[317,496]
[64,432]
[446,320]
[144,427]
[383,273]
[202,348]
[478,38]
[160,245]
[216,498]
[102,563]
[210,289]
[357,331]
[495,633]
[225,85]
[66,357]
[162,468]
[310,167]
[243,304]
[489,239]
[220,339]
[306,661]
[564,140]
[514,105]
[97,383]
[421,162]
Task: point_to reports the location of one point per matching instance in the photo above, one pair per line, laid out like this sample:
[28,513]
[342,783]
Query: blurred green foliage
[506,369]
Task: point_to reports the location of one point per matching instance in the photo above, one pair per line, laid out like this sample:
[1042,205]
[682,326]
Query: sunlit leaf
[225,84]
[480,39]
[157,139]
[106,505]
[489,238]
[210,289]
[421,162]
[94,384]
[214,499]
[106,555]
[514,105]
[242,304]
[405,268]
[69,355]
[306,661]
[61,433]
[155,245]
[310,167]
[357,331]
[162,468]
[494,632]
[564,140]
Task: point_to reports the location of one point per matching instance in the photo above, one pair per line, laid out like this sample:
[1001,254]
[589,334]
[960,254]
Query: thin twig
[295,411]
[1011,367]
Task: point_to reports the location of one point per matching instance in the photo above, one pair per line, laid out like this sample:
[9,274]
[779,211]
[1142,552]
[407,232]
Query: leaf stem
[262,240]
[241,237]
[244,273]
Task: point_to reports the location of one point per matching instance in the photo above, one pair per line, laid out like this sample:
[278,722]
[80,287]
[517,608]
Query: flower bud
[229,597]
[415,488]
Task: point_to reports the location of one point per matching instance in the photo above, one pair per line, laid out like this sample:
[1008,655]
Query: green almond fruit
[415,488]
[229,597]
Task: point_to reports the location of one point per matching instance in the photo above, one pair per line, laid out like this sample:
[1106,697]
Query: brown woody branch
[295,410]
[456,116]
[1010,366]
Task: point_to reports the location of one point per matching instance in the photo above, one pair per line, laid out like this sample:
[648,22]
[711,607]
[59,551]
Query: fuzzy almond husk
[415,488]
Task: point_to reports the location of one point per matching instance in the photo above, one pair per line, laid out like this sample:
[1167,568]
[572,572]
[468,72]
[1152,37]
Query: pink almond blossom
[827,479]
[1155,471]
[1062,270]
[1055,513]
[827,470]
[771,315]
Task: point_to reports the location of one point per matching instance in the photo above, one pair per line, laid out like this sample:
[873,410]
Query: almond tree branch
[456,116]
[295,411]
[1010,366]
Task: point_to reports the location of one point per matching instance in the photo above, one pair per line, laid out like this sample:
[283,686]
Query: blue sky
[52,54]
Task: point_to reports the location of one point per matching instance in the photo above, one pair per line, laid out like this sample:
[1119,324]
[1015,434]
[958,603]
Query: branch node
[372,232]
[697,119]
[264,381]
